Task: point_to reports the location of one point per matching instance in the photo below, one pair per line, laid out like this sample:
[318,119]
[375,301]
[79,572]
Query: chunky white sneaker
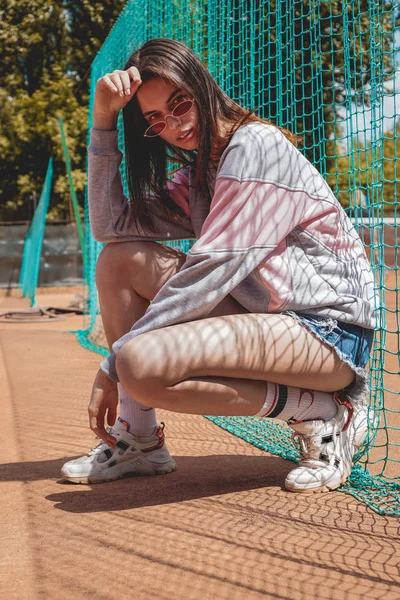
[327,447]
[147,456]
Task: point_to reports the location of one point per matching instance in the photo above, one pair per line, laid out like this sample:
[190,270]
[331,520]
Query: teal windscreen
[29,275]
[329,72]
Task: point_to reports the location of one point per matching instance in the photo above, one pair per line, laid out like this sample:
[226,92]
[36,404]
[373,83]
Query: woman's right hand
[113,92]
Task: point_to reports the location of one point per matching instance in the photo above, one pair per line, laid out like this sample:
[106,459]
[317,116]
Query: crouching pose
[270,313]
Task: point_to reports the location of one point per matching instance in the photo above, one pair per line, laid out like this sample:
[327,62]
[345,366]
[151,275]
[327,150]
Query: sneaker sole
[310,490]
[158,470]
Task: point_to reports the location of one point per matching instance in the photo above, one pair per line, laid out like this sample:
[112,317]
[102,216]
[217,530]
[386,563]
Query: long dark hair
[147,158]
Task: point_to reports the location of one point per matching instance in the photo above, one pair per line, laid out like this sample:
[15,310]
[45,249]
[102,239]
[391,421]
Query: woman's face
[158,98]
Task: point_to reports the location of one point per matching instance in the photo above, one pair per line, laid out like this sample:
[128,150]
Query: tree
[375,171]
[299,63]
[320,56]
[46,49]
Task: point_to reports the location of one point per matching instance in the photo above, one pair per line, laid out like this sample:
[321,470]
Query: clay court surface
[220,527]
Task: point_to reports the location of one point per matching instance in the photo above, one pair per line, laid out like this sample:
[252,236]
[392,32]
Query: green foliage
[46,49]
[320,59]
[371,169]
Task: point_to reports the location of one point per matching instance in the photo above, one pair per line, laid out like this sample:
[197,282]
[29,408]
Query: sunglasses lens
[182,108]
[179,110]
[155,129]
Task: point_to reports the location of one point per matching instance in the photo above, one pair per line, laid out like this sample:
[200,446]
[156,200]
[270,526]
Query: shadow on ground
[196,477]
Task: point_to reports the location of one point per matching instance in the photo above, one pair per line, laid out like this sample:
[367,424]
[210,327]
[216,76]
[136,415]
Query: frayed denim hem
[359,389]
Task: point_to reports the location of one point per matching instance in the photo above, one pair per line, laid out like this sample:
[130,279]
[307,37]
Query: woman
[271,311]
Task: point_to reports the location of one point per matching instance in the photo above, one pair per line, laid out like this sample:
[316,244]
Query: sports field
[220,527]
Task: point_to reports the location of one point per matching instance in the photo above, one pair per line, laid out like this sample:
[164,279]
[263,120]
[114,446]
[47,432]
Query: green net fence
[329,72]
[29,275]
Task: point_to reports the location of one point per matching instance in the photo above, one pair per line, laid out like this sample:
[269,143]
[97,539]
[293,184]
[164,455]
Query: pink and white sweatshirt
[274,237]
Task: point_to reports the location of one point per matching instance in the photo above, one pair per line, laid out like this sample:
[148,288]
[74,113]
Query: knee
[109,263]
[116,259]
[141,369]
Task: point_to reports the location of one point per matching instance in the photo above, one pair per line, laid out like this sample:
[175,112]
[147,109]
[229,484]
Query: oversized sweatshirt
[274,236]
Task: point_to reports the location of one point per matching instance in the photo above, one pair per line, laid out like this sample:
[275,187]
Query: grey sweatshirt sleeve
[110,211]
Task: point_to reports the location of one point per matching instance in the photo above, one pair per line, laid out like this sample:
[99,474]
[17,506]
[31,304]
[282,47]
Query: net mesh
[29,275]
[327,71]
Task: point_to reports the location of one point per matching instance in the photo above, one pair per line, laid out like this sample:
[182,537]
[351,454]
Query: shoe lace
[309,449]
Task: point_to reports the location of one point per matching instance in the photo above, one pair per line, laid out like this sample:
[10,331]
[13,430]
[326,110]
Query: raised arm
[110,211]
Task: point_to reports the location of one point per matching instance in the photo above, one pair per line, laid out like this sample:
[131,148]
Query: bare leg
[128,276]
[220,365]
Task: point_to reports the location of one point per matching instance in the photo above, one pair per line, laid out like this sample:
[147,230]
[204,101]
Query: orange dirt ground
[220,527]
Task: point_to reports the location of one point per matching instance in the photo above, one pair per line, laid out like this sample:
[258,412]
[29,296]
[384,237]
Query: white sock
[141,419]
[296,404]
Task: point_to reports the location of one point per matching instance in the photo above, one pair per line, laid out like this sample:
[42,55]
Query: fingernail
[128,91]
[121,94]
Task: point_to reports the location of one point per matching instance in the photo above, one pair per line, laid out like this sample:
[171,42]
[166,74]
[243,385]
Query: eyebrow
[149,112]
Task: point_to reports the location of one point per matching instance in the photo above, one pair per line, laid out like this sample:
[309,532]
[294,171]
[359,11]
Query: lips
[186,136]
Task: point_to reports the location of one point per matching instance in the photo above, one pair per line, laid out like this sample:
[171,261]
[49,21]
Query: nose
[174,121]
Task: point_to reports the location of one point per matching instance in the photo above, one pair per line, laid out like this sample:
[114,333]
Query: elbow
[99,235]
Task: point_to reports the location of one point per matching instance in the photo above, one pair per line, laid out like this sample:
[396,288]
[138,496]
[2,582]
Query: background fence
[60,262]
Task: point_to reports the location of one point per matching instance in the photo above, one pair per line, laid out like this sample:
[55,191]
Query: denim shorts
[351,343]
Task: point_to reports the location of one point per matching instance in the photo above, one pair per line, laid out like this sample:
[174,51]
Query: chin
[194,143]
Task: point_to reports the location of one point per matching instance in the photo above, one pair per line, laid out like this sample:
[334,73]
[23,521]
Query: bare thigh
[265,347]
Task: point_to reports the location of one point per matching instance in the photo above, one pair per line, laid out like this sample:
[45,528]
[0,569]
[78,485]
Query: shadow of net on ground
[220,527]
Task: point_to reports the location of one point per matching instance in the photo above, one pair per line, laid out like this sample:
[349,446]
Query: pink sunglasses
[180,110]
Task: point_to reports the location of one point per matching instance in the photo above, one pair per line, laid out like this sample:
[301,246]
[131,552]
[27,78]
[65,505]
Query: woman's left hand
[104,400]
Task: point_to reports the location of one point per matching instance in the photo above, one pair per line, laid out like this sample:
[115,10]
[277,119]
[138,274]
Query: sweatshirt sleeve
[110,211]
[247,220]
